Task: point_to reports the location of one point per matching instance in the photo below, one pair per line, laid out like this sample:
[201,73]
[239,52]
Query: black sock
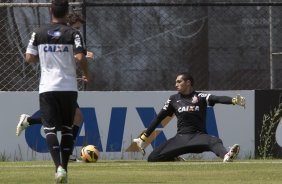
[75,129]
[34,120]
[54,148]
[66,149]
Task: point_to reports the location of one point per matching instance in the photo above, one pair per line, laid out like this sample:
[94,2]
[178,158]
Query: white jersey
[56,45]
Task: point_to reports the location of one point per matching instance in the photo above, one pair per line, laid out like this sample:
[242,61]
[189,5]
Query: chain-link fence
[142,46]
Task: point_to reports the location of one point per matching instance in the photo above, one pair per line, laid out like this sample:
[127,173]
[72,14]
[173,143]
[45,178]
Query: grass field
[194,172]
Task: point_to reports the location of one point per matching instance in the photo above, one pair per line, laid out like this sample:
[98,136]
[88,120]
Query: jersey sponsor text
[189,108]
[55,48]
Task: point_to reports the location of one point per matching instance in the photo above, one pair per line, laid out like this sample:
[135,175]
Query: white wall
[235,124]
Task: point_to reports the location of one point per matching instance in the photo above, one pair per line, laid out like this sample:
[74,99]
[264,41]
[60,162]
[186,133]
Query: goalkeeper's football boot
[61,175]
[232,153]
[23,124]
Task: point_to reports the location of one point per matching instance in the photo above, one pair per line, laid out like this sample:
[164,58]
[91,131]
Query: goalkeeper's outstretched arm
[238,100]
[140,141]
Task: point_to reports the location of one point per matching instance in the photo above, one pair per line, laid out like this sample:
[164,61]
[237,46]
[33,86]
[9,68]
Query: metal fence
[142,46]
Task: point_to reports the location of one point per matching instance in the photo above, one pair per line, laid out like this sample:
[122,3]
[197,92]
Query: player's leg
[49,108]
[78,118]
[34,120]
[26,121]
[61,175]
[232,153]
[186,143]
[156,156]
[217,147]
[171,149]
[68,108]
[23,124]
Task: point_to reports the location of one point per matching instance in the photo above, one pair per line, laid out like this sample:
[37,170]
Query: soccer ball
[89,153]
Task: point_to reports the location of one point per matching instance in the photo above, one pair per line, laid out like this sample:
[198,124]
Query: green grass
[194,172]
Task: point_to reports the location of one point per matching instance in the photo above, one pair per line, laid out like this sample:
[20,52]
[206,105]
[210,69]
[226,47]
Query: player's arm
[82,61]
[80,55]
[155,122]
[140,141]
[167,110]
[238,100]
[89,55]
[30,58]
[31,55]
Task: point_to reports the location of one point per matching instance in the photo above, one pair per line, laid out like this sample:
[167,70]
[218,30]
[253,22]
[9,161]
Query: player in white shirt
[55,46]
[76,21]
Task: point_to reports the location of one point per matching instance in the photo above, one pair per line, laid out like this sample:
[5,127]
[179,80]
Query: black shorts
[187,143]
[58,108]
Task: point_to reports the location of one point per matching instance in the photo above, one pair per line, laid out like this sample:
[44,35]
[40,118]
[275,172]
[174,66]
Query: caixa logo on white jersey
[55,48]
[89,132]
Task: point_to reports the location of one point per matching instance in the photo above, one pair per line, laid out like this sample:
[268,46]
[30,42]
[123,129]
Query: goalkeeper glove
[239,100]
[140,141]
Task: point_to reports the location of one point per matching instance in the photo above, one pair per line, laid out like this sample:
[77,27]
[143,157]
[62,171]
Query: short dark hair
[72,18]
[59,8]
[187,76]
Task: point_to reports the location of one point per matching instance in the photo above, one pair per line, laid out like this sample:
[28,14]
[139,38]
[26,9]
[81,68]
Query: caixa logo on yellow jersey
[55,48]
